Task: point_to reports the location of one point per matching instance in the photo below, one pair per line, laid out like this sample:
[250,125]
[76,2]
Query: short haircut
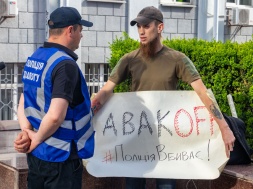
[59,31]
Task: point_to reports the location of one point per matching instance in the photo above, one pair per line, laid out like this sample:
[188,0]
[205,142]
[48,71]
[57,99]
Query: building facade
[23,28]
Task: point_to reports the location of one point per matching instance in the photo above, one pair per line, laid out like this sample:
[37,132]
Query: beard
[148,49]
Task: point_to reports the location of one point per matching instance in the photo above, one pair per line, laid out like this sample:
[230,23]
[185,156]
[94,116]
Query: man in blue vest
[54,110]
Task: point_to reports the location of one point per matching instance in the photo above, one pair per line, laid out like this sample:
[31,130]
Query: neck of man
[159,46]
[59,40]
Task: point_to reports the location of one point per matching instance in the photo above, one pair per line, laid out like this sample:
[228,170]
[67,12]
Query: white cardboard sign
[156,134]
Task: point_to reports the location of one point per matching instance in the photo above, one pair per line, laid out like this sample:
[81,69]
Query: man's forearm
[53,119]
[213,108]
[47,128]
[23,121]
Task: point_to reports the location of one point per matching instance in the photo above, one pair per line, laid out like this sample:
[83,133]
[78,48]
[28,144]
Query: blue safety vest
[77,125]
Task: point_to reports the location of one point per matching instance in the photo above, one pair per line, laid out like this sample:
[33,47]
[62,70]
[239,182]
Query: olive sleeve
[121,71]
[186,70]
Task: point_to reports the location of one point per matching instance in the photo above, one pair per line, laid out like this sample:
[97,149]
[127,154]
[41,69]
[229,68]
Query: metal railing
[11,87]
[96,78]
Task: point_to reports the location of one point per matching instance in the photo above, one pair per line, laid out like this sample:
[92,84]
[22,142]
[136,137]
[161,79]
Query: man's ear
[160,27]
[70,30]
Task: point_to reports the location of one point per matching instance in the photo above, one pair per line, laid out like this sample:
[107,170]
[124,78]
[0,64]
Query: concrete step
[13,175]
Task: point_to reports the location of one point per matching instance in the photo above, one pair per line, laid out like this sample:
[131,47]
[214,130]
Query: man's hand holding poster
[157,134]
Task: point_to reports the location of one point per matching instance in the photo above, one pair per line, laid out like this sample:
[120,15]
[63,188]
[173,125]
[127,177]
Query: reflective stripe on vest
[40,91]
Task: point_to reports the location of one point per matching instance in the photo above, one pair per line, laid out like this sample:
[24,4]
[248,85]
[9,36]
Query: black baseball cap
[66,16]
[147,15]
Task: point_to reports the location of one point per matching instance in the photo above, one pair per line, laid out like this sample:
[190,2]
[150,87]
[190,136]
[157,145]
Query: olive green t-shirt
[161,72]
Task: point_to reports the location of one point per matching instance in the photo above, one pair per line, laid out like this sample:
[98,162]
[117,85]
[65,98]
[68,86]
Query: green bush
[226,68]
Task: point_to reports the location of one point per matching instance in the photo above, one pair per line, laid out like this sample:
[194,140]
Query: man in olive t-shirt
[156,67]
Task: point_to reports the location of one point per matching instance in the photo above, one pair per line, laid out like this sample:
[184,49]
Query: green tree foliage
[225,68]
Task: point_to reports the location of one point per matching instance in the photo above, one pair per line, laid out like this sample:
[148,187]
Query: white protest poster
[156,134]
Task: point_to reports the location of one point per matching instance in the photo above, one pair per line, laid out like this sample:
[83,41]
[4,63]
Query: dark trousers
[140,183]
[52,175]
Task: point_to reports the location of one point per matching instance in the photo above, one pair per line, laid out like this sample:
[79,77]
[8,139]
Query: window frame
[237,4]
[177,4]
[109,1]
